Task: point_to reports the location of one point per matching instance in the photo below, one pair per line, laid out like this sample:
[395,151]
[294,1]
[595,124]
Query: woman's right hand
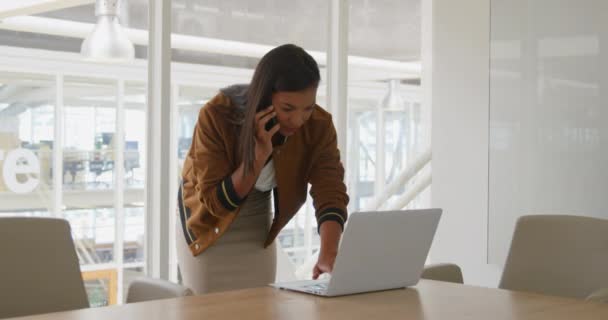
[263,138]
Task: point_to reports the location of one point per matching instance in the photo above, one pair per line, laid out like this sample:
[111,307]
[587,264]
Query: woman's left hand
[325,264]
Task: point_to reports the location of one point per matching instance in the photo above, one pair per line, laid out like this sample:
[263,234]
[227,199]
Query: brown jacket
[207,200]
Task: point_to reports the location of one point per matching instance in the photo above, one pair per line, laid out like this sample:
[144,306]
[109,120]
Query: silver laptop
[379,251]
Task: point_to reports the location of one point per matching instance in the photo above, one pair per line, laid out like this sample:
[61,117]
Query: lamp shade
[108,41]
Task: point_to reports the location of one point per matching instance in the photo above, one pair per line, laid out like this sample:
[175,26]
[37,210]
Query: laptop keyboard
[317,288]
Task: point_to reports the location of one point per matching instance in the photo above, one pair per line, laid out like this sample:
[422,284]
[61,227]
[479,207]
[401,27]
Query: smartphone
[271,123]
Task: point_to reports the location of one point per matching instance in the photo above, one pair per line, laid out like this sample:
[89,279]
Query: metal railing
[401,180]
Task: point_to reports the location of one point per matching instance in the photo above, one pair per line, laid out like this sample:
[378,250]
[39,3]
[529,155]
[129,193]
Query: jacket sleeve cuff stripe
[227,195]
[331,214]
[184,214]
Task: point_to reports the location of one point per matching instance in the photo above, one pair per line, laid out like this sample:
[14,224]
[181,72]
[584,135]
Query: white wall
[553,104]
[548,116]
[460,97]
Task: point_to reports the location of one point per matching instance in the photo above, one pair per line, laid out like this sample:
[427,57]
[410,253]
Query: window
[106,218]
[88,121]
[387,124]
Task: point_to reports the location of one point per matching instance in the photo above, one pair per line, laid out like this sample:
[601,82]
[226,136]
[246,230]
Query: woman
[249,140]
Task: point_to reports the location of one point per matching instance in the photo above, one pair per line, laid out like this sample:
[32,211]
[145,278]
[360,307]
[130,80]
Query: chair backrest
[39,270]
[558,255]
[447,272]
[146,289]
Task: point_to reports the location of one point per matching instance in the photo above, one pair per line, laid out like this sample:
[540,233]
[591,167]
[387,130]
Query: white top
[266,181]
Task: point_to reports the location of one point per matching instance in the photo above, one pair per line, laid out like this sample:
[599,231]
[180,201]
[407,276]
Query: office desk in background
[428,300]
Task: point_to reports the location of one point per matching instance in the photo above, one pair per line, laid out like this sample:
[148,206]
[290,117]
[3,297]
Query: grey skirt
[238,259]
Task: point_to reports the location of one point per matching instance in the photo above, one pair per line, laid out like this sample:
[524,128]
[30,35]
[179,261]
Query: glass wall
[385,126]
[89,118]
[134,174]
[27,122]
[101,191]
[86,194]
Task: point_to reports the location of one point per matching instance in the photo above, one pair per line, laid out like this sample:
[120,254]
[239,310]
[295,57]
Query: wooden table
[428,300]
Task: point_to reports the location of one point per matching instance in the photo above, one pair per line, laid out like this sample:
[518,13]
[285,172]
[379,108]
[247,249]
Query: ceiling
[384,29]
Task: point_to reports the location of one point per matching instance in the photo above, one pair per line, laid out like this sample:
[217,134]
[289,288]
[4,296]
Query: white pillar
[58,148]
[119,184]
[337,73]
[426,53]
[173,172]
[158,180]
[426,102]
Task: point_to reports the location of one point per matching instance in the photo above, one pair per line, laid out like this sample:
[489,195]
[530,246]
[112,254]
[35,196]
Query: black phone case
[271,123]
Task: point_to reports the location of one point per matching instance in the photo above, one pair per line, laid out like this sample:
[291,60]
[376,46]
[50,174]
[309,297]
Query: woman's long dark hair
[284,68]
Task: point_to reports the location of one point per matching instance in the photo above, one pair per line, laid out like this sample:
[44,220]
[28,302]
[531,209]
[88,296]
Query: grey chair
[146,289]
[447,272]
[39,270]
[559,255]
[600,295]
